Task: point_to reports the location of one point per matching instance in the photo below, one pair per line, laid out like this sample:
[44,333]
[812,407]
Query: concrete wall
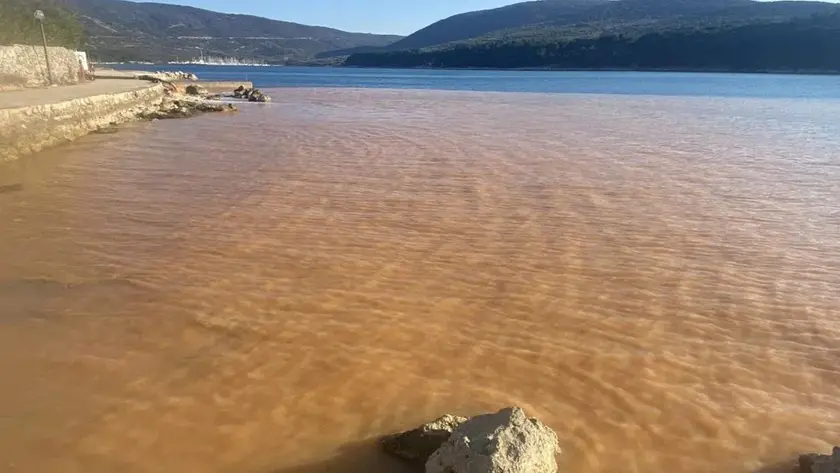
[24,66]
[30,129]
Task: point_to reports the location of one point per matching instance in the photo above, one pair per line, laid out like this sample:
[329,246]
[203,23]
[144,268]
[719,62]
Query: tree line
[810,44]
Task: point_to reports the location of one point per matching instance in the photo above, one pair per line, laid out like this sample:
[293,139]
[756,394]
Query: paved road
[28,97]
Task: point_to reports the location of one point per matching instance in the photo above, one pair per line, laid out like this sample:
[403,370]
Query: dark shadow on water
[362,457]
[367,457]
[9,188]
[43,298]
[791,466]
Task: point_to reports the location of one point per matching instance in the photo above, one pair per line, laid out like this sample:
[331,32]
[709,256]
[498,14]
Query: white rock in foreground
[504,442]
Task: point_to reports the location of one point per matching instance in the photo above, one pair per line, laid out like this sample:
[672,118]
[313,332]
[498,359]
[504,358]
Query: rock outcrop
[417,445]
[505,442]
[816,463]
[196,89]
[252,95]
[257,96]
[167,76]
[178,106]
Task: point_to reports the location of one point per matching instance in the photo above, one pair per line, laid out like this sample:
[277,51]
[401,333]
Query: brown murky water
[657,278]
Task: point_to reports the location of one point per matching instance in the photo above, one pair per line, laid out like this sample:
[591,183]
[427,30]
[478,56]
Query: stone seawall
[25,130]
[24,66]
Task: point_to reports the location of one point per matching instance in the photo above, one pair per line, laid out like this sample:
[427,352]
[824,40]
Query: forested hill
[803,44]
[125,31]
[555,13]
[18,24]
[479,23]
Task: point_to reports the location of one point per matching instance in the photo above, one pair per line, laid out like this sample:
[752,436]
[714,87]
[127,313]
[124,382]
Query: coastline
[686,70]
[30,128]
[35,119]
[604,69]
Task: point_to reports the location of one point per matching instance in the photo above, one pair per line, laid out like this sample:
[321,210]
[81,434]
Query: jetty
[181,80]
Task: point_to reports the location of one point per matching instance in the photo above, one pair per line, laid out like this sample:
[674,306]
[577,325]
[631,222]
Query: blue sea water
[572,82]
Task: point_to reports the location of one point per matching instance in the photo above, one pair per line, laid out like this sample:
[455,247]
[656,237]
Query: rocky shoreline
[31,127]
[195,99]
[167,76]
[509,441]
[176,105]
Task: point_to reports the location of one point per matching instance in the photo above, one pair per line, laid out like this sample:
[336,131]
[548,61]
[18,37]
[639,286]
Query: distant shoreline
[166,64]
[806,72]
[611,69]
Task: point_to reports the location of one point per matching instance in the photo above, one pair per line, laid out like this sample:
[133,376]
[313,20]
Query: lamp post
[39,15]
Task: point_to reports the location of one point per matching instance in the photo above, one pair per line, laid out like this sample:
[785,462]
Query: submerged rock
[252,95]
[183,107]
[196,89]
[215,107]
[816,463]
[257,96]
[417,445]
[106,130]
[504,442]
[149,77]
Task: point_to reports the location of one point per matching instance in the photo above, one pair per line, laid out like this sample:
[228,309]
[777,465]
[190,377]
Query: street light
[39,15]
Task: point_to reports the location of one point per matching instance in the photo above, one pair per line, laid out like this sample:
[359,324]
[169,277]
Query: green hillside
[20,27]
[479,23]
[805,44]
[127,31]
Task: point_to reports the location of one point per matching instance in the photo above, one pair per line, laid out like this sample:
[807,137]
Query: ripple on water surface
[654,277]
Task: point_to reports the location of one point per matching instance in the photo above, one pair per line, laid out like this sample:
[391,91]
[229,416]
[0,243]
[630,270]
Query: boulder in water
[504,442]
[215,107]
[816,463]
[257,96]
[106,130]
[417,445]
[182,107]
[196,89]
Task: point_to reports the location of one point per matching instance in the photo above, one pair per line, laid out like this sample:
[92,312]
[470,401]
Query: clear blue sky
[367,16]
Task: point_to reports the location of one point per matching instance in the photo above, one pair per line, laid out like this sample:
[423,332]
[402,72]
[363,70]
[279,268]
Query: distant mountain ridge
[120,30]
[509,19]
[694,35]
[620,34]
[478,23]
[803,45]
[474,24]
